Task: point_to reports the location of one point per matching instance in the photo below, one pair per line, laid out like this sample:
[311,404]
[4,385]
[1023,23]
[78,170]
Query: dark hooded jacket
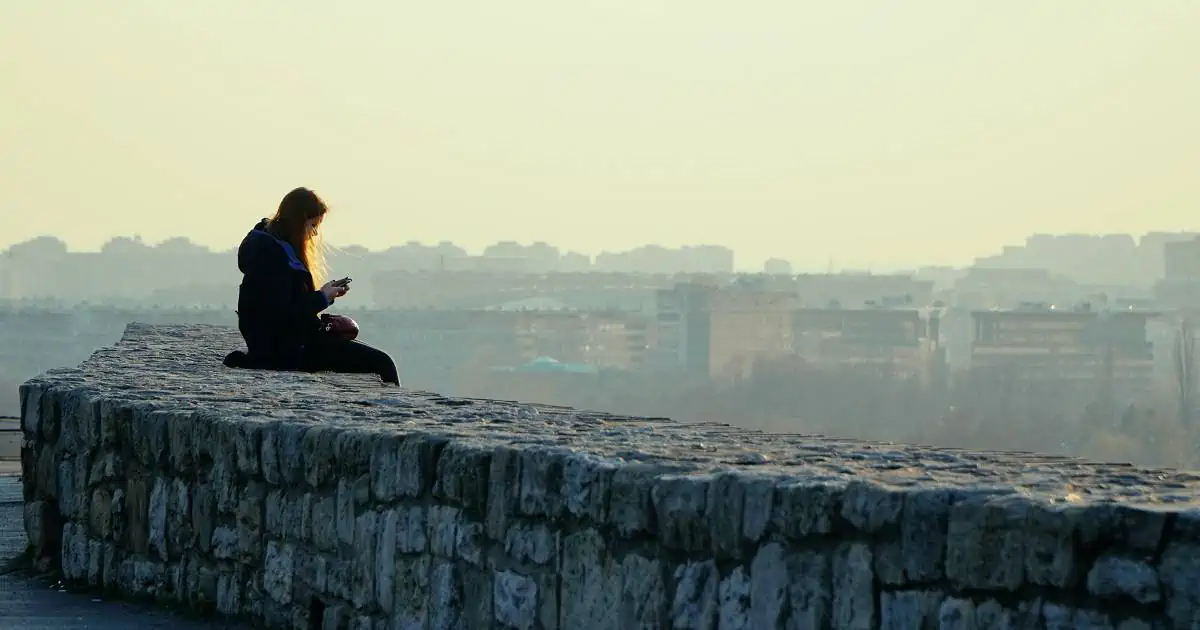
[278,305]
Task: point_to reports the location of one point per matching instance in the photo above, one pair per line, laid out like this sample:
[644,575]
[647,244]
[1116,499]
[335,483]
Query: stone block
[30,395]
[105,468]
[871,507]
[630,505]
[957,614]
[769,583]
[249,518]
[46,473]
[680,502]
[278,569]
[95,557]
[100,514]
[366,537]
[1115,577]
[443,530]
[74,553]
[810,595]
[911,610]
[478,598]
[42,528]
[445,596]
[733,601]
[325,522]
[150,439]
[539,489]
[156,518]
[589,587]
[985,543]
[587,486]
[385,559]
[1179,570]
[385,468]
[1061,617]
[51,415]
[1049,541]
[224,484]
[291,453]
[346,511]
[268,458]
[225,543]
[694,605]
[853,604]
[642,595]
[318,447]
[806,508]
[917,554]
[411,532]
[181,433]
[352,448]
[503,490]
[726,501]
[411,603]
[66,489]
[470,542]
[515,598]
[136,510]
[204,515]
[531,542]
[417,464]
[462,476]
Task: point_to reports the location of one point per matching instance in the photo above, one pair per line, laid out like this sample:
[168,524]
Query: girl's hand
[333,291]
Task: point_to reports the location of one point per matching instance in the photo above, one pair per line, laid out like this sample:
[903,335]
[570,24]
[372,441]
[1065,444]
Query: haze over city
[866,134]
[624,314]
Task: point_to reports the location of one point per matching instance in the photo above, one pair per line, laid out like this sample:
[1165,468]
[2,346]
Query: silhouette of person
[279,305]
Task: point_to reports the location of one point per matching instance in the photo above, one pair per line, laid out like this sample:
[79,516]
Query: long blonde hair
[295,211]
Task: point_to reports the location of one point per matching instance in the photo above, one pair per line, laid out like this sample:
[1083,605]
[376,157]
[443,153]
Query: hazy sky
[873,133]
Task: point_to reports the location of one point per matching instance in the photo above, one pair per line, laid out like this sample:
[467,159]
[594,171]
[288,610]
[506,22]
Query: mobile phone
[344,282]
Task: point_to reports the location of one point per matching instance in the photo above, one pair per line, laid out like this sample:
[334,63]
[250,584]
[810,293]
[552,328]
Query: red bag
[339,326]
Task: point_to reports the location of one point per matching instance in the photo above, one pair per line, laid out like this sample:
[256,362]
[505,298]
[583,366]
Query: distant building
[1180,286]
[718,331]
[1084,353]
[612,340]
[1181,261]
[898,342]
[856,290]
[777,267]
[987,287]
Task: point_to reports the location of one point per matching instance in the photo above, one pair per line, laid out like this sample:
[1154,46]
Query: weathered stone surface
[515,598]
[296,499]
[1115,576]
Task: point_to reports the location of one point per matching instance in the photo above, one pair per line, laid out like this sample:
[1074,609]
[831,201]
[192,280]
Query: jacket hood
[260,247]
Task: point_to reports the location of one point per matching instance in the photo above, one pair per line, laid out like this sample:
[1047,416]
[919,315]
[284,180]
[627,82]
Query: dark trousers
[334,354]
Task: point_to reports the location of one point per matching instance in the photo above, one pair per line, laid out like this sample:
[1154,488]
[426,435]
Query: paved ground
[28,603]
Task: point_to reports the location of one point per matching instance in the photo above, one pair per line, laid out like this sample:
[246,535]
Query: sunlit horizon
[858,134]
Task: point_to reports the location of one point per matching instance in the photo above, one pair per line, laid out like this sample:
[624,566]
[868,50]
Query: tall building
[1180,286]
[719,332]
[898,342]
[1074,352]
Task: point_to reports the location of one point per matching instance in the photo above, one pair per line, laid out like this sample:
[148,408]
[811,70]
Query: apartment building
[899,342]
[1105,351]
[720,332]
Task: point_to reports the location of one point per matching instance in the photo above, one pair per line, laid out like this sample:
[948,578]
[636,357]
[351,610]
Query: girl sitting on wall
[279,305]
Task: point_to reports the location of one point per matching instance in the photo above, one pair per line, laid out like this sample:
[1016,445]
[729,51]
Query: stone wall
[332,501]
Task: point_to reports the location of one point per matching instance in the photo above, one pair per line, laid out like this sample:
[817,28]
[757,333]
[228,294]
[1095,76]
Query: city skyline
[740,264]
[870,134]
